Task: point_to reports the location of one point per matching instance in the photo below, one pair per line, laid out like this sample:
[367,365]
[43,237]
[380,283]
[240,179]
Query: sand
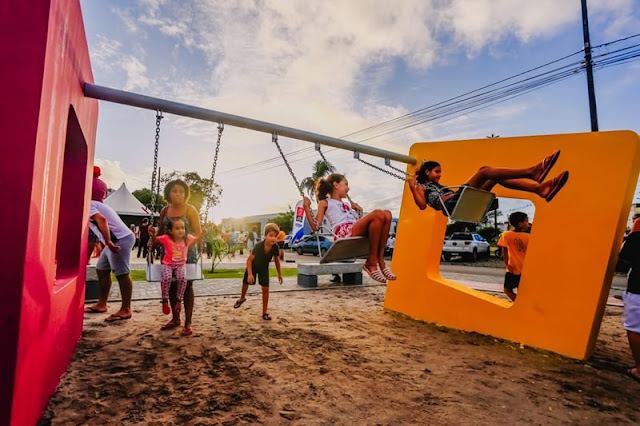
[331,357]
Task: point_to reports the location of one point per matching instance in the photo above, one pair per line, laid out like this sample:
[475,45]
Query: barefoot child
[258,267]
[176,242]
[514,244]
[426,188]
[345,223]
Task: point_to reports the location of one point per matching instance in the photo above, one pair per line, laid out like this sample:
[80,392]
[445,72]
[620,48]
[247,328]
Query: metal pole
[147,102]
[587,57]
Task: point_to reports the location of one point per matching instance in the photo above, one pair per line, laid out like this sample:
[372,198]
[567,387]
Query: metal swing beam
[185,110]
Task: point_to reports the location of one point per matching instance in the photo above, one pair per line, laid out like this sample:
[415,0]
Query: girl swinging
[376,225]
[427,191]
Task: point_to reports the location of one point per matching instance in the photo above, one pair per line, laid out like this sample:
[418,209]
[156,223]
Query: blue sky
[336,67]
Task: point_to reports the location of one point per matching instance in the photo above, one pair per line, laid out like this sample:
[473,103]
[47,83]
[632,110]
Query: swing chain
[403,178]
[274,139]
[211,185]
[159,117]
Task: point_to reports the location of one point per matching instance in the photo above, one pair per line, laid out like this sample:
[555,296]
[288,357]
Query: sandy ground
[331,357]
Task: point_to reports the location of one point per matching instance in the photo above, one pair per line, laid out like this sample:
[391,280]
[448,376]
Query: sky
[335,68]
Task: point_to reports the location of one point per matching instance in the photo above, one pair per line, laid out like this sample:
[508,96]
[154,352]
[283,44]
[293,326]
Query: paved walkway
[143,290]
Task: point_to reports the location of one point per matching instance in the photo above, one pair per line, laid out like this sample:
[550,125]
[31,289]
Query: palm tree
[321,169]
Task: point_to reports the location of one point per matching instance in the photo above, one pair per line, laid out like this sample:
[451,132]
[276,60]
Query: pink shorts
[343,231]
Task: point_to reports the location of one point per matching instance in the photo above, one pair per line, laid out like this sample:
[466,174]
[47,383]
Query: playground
[331,357]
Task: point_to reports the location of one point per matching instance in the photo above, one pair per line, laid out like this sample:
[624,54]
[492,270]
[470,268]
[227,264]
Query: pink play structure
[47,145]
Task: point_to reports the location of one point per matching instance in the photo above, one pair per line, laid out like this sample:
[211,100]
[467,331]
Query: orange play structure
[573,246]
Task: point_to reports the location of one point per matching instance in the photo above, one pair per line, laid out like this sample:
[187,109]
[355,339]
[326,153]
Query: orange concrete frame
[573,246]
[47,145]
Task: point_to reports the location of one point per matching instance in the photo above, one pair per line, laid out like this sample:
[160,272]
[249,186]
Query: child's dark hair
[168,187]
[516,218]
[426,166]
[171,221]
[324,186]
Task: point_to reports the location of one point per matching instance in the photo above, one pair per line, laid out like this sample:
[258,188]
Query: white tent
[124,203]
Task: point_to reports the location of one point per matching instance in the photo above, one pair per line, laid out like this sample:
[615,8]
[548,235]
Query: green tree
[144,196]
[284,221]
[320,170]
[197,186]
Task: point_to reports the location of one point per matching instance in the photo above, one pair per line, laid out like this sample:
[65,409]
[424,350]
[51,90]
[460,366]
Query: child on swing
[345,223]
[427,191]
[176,242]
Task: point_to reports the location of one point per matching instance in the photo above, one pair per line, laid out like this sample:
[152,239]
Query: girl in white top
[345,223]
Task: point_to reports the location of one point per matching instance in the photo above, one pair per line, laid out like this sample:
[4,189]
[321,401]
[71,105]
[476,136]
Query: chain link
[407,175]
[382,170]
[159,118]
[211,185]
[274,139]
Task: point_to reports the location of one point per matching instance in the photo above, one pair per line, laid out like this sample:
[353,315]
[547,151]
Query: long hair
[168,187]
[324,186]
[426,166]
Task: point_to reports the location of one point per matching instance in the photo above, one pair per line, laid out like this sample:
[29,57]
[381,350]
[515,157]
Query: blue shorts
[117,262]
[631,311]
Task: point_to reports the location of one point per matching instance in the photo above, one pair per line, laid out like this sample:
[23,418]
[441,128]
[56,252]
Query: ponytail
[324,187]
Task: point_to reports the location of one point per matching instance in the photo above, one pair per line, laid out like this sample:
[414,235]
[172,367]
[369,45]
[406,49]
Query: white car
[469,246]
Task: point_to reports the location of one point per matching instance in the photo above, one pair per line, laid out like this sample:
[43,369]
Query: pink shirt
[174,252]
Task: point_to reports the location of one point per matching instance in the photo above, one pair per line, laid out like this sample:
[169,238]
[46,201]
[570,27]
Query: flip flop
[375,275]
[556,185]
[170,325]
[187,331]
[114,318]
[238,303]
[629,373]
[92,310]
[547,164]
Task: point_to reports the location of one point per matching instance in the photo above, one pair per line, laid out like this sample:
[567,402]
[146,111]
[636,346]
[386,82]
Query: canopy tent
[125,204]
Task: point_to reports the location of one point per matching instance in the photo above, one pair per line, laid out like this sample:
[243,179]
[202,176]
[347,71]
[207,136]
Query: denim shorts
[117,262]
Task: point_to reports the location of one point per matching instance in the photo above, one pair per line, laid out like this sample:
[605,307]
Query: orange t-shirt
[516,243]
[281,236]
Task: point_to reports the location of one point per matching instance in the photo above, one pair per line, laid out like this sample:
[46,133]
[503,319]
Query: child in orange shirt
[514,244]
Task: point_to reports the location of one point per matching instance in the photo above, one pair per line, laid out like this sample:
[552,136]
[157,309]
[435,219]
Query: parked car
[287,241]
[309,244]
[469,246]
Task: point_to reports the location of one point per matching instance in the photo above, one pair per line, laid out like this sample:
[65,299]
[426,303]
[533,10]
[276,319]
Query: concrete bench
[308,272]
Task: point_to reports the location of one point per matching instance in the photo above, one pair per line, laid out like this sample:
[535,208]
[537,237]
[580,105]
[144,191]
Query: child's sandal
[388,274]
[266,316]
[165,307]
[376,275]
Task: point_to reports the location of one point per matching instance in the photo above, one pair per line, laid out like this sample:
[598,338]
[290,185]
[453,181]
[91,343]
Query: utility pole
[587,57]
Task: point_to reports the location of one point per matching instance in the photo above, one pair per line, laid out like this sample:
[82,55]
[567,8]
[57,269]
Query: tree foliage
[284,221]
[320,170]
[144,195]
[198,186]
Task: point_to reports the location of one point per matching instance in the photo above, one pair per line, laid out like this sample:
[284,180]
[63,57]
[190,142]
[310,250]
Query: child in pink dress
[176,241]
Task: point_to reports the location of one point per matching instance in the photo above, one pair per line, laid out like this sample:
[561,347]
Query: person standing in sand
[177,195]
[630,254]
[258,267]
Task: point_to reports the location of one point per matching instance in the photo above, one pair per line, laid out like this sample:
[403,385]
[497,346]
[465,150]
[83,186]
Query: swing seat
[472,205]
[347,248]
[154,272]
